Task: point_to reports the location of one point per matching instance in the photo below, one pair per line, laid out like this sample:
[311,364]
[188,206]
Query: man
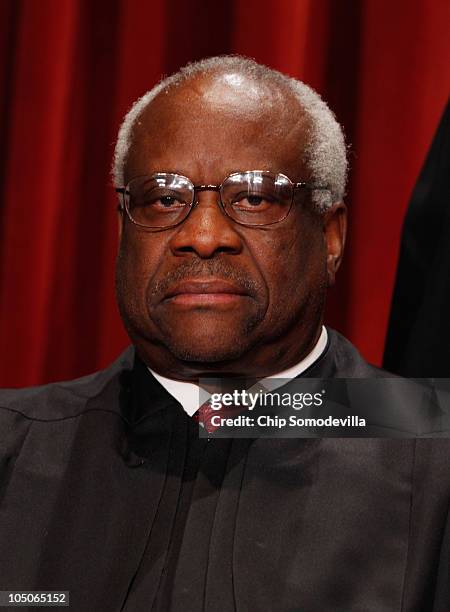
[231,178]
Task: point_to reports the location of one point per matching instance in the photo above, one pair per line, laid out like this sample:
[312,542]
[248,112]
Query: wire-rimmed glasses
[251,198]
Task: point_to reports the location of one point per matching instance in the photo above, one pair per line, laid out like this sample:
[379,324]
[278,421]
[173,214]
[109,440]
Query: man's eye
[255,200]
[252,202]
[158,202]
[168,202]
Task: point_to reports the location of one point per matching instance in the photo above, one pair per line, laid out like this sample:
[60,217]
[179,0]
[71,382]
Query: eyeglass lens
[250,198]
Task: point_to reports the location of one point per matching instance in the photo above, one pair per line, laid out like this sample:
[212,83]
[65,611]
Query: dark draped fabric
[418,341]
[107,491]
[69,70]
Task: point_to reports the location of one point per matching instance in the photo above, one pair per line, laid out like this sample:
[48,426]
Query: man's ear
[335,231]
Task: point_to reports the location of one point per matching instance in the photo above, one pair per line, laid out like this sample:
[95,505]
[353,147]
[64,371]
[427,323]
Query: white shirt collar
[187,394]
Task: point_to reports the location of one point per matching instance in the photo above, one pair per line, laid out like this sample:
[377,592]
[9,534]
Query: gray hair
[325,153]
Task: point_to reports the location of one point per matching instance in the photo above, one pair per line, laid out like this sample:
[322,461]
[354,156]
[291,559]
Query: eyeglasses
[253,198]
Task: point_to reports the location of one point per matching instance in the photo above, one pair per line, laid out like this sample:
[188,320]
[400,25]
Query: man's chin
[207,337]
[205,352]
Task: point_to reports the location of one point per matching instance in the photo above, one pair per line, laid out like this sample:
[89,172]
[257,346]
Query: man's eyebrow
[187,174]
[160,170]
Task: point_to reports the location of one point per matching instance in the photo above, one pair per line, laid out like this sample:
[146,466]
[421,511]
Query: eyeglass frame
[217,188]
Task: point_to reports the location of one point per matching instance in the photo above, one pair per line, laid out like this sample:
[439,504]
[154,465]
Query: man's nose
[207,230]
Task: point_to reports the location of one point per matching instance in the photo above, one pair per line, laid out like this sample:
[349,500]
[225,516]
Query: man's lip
[197,287]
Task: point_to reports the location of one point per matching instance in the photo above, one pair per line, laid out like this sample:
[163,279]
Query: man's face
[210,295]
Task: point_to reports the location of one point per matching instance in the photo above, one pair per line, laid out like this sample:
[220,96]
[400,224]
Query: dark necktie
[205,413]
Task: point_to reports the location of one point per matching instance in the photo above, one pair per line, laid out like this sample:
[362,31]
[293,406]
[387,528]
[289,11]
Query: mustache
[197,268]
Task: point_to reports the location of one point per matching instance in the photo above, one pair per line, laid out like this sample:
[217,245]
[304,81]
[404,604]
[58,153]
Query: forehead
[210,126]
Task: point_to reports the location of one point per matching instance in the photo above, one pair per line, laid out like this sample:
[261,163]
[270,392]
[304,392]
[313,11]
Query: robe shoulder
[66,399]
[341,359]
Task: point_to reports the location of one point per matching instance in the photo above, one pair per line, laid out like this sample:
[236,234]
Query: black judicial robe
[418,339]
[106,491]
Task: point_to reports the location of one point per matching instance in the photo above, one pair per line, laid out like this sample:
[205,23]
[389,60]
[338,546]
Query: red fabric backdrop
[69,69]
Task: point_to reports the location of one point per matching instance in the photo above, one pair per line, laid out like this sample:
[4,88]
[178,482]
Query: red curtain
[69,70]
